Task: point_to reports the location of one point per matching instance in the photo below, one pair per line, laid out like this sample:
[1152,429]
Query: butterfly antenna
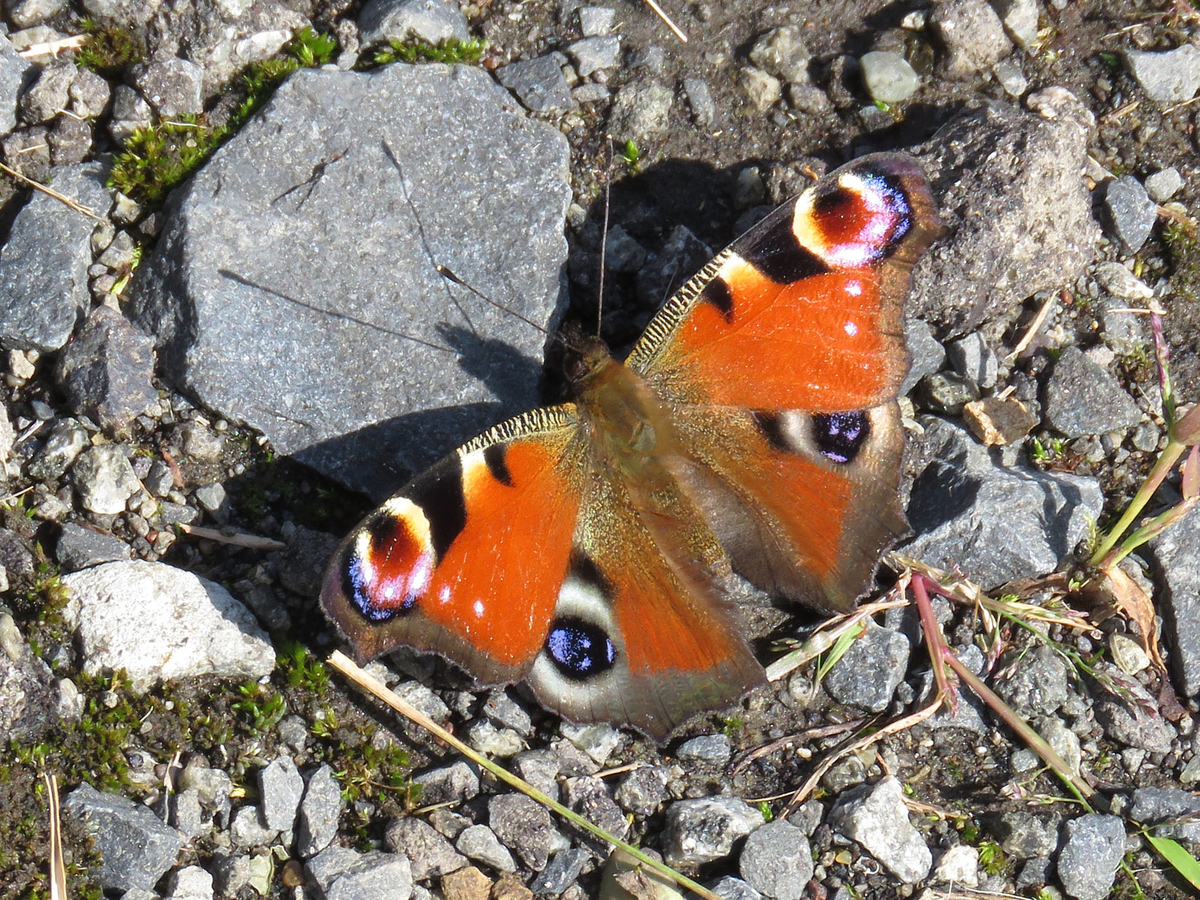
[604,236]
[421,232]
[450,276]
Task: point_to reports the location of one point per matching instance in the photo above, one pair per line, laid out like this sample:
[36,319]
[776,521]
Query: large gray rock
[294,286]
[28,701]
[14,72]
[1009,186]
[160,623]
[1091,853]
[1083,397]
[876,817]
[994,524]
[44,262]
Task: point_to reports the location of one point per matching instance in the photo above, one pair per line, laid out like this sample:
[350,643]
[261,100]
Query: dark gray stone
[66,441]
[1175,813]
[926,354]
[70,141]
[1175,555]
[1082,397]
[430,854]
[14,71]
[953,507]
[79,547]
[450,784]
[972,34]
[1035,684]
[43,264]
[265,332]
[876,817]
[432,21]
[90,94]
[507,713]
[538,83]
[1170,77]
[589,796]
[1093,847]
[730,888]
[681,256]
[867,674]
[973,358]
[1130,212]
[560,874]
[948,392]
[777,861]
[136,846]
[524,826]
[1018,212]
[106,370]
[700,831]
[172,87]
[1130,717]
[129,113]
[303,563]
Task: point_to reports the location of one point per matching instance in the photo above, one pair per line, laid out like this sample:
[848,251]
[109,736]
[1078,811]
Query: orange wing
[467,559]
[804,311]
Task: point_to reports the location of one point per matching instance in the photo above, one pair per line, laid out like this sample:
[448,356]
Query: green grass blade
[1182,861]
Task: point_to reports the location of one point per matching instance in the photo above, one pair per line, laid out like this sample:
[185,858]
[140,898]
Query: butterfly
[583,548]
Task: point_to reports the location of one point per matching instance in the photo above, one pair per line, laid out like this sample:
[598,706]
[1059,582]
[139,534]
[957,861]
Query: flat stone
[1092,850]
[252,328]
[481,844]
[280,788]
[430,854]
[1164,184]
[44,261]
[172,87]
[700,831]
[888,77]
[524,826]
[1175,557]
[595,53]
[998,423]
[868,673]
[876,817]
[777,861]
[79,547]
[972,34]
[639,112]
[1130,212]
[432,21]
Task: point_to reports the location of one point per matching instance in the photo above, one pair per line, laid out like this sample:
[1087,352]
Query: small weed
[991,858]
[108,51]
[632,155]
[260,705]
[765,809]
[301,668]
[311,48]
[448,51]
[1112,61]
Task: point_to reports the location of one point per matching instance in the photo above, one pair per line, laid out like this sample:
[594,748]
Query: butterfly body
[583,548]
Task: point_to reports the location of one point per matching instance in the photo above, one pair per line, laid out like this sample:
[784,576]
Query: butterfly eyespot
[840,436]
[580,649]
[389,566]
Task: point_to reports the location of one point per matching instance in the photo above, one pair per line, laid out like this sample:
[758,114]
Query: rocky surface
[192,376]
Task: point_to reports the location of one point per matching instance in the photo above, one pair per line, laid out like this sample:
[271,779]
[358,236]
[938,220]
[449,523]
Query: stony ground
[162,646]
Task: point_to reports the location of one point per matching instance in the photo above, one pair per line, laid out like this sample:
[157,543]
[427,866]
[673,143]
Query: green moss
[159,157]
[108,51]
[448,51]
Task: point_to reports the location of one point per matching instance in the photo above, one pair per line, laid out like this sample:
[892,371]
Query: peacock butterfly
[754,427]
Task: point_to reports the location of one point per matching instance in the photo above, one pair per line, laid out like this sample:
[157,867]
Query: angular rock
[1082,397]
[699,831]
[953,507]
[639,112]
[1019,214]
[81,548]
[265,334]
[135,845]
[972,34]
[1092,850]
[643,790]
[172,87]
[1132,718]
[1164,184]
[1035,684]
[526,827]
[106,370]
[13,74]
[320,812]
[1130,212]
[876,817]
[129,615]
[31,13]
[189,883]
[998,423]
[104,479]
[452,784]
[539,84]
[49,94]
[595,53]
[1020,18]
[432,21]
[343,874]
[1026,835]
[1170,77]
[705,750]
[430,854]
[280,788]
[777,861]
[781,52]
[868,673]
[561,872]
[43,263]
[1174,813]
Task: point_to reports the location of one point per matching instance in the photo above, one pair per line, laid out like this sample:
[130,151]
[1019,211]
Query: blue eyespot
[580,649]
